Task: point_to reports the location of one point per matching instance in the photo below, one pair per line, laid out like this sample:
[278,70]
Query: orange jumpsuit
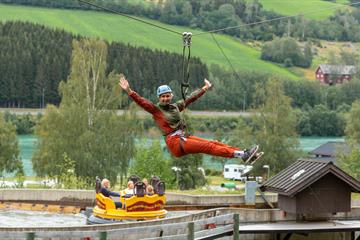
[169,120]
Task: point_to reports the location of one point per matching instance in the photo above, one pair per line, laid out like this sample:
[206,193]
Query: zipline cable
[227,59]
[232,66]
[275,19]
[125,15]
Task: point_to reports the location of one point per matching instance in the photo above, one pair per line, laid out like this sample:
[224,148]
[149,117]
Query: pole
[30,236]
[43,98]
[244,101]
[191,231]
[236,226]
[177,178]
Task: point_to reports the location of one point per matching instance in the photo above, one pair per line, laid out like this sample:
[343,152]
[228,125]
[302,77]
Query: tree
[351,163]
[287,50]
[150,161]
[85,126]
[275,128]
[9,148]
[353,124]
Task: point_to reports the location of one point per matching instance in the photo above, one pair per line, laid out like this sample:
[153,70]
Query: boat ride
[138,206]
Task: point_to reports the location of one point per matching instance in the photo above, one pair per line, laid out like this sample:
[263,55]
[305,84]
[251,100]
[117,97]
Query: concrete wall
[46,195]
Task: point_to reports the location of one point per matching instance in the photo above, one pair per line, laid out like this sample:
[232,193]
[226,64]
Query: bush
[287,51]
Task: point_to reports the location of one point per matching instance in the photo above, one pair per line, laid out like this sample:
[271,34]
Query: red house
[334,74]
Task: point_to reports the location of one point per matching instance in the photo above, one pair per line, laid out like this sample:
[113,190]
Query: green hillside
[314,9]
[117,28]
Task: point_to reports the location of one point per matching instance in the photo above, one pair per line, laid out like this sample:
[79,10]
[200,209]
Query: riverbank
[27,145]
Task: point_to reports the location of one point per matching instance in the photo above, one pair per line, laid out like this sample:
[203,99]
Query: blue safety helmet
[163,89]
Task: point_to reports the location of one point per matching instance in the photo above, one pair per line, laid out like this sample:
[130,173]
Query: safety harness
[186,64]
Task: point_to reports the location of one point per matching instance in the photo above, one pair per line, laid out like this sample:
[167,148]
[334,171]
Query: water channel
[26,218]
[17,218]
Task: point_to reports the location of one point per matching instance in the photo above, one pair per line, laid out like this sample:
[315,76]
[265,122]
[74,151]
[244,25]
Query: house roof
[331,149]
[324,159]
[302,174]
[337,69]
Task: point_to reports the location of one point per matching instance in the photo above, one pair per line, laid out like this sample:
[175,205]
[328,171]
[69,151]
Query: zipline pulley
[187,39]
[186,64]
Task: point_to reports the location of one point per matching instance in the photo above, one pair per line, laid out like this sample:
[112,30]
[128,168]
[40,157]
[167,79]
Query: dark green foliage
[321,121]
[303,92]
[34,59]
[24,123]
[150,161]
[287,51]
[9,148]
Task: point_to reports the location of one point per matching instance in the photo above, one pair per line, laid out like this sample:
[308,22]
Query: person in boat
[130,189]
[105,186]
[168,118]
[149,190]
[145,181]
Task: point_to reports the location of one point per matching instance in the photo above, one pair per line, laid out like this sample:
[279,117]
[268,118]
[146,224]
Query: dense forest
[30,74]
[34,59]
[216,14]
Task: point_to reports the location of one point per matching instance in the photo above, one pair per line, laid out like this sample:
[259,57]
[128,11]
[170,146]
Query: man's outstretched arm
[142,102]
[198,93]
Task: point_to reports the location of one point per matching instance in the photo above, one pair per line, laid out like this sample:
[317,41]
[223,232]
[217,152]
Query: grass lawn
[113,27]
[313,9]
[212,181]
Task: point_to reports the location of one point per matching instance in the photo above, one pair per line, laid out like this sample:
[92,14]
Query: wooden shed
[313,187]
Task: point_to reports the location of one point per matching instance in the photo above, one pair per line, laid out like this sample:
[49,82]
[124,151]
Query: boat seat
[97,184]
[140,189]
[104,202]
[154,182]
[160,188]
[134,179]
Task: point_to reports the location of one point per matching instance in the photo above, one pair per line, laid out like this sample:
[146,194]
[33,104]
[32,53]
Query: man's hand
[207,84]
[124,84]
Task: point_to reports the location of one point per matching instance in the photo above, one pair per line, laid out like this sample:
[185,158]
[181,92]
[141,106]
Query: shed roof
[338,69]
[331,149]
[302,174]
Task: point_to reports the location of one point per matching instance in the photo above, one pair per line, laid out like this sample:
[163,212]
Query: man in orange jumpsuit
[168,118]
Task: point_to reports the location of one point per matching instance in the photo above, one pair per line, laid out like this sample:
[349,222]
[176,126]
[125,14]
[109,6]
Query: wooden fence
[209,228]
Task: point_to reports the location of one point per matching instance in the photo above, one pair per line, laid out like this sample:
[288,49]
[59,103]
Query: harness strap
[186,64]
[179,133]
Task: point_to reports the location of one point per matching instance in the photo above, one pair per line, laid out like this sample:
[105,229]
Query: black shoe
[248,154]
[256,157]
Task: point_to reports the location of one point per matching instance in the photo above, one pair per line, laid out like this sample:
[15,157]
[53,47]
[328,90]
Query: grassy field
[313,9]
[117,28]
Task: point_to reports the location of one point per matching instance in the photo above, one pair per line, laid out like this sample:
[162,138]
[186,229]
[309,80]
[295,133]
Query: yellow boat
[139,206]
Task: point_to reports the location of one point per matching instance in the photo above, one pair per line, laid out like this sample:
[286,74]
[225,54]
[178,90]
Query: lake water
[27,147]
